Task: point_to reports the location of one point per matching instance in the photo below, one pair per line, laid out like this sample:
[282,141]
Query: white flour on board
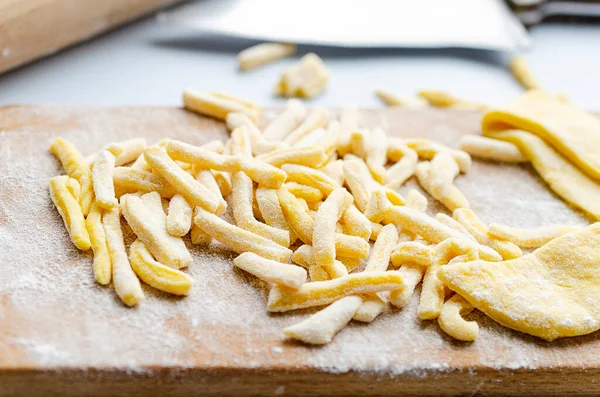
[54,314]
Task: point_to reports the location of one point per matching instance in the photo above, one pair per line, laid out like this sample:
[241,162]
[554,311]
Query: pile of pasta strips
[325,187]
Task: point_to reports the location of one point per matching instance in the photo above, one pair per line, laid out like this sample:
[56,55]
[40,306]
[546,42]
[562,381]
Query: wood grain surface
[30,29]
[61,334]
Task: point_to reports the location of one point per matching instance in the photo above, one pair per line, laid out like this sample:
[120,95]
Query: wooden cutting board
[62,334]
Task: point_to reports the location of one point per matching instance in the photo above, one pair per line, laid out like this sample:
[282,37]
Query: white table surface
[150,63]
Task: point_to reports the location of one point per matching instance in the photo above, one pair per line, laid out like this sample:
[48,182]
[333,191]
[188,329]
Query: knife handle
[532,12]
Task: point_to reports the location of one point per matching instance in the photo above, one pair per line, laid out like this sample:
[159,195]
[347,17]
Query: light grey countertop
[150,63]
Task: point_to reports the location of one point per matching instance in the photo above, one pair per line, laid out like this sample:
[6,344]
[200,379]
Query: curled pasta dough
[391,99]
[156,274]
[321,327]
[451,319]
[305,79]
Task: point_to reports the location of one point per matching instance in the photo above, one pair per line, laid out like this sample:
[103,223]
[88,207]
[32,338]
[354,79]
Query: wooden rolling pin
[30,29]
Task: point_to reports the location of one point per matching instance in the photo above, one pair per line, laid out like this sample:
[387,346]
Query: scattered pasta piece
[259,144]
[219,105]
[376,156]
[356,224]
[241,202]
[317,118]
[521,73]
[310,177]
[320,328]
[406,162]
[446,193]
[264,53]
[452,223]
[102,266]
[179,216]
[324,292]
[359,180]
[394,100]
[127,286]
[530,238]
[433,231]
[451,319]
[156,274]
[272,213]
[427,149]
[305,192]
[378,261]
[76,168]
[310,156]
[133,180]
[290,276]
[412,252]
[239,142]
[70,211]
[184,183]
[127,151]
[348,124]
[377,207]
[491,149]
[323,237]
[444,99]
[238,239]
[416,201]
[433,290]
[360,141]
[197,235]
[305,79]
[149,224]
[481,232]
[335,170]
[287,121]
[102,180]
